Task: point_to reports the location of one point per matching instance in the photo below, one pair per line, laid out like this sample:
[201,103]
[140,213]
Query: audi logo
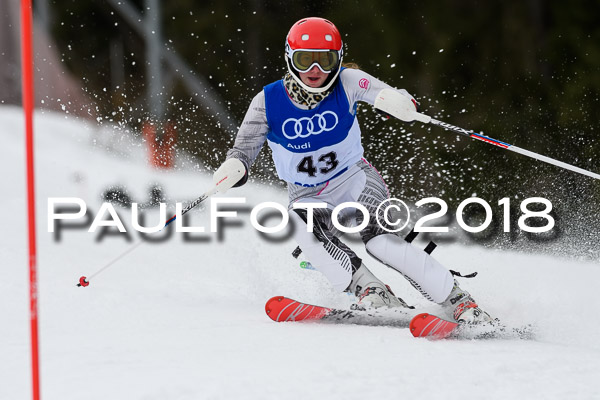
[304,127]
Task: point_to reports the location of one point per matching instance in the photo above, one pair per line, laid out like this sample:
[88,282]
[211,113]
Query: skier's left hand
[400,105]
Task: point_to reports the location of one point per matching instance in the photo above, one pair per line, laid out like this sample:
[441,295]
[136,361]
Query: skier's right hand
[232,173]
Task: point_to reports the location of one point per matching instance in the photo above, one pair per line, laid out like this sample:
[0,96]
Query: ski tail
[281,309]
[427,325]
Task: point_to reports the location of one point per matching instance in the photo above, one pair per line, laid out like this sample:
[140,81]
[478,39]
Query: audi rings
[304,127]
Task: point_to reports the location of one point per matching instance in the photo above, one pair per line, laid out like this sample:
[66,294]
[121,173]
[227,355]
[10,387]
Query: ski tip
[427,325]
[271,302]
[415,324]
[281,309]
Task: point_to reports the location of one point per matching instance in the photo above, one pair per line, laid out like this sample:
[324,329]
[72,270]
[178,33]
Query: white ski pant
[361,184]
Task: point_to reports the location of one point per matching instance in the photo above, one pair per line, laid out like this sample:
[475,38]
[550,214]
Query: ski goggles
[303,60]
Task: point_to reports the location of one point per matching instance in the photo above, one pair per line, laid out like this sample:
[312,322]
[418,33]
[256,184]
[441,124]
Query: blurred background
[180,75]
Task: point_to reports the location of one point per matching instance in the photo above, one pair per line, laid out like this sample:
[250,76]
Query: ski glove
[399,105]
[232,173]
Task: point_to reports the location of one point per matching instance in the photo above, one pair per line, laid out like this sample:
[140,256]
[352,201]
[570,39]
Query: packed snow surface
[185,319]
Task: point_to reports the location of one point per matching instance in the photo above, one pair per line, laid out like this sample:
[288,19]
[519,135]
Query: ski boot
[463,307]
[371,292]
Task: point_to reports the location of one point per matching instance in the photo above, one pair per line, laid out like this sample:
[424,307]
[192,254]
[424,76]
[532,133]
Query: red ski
[282,309]
[427,325]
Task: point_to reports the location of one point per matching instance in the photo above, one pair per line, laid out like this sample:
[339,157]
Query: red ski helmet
[314,41]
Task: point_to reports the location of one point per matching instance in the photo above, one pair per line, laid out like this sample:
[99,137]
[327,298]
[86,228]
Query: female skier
[309,120]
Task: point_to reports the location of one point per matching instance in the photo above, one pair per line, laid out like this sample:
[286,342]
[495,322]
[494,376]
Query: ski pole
[399,106]
[514,148]
[85,281]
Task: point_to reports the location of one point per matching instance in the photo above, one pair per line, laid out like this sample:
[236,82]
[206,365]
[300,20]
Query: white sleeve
[360,86]
[252,133]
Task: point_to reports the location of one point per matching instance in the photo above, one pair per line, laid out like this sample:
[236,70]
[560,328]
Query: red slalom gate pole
[28,99]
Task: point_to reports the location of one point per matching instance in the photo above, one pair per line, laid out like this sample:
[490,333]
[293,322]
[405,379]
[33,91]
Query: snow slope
[181,320]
